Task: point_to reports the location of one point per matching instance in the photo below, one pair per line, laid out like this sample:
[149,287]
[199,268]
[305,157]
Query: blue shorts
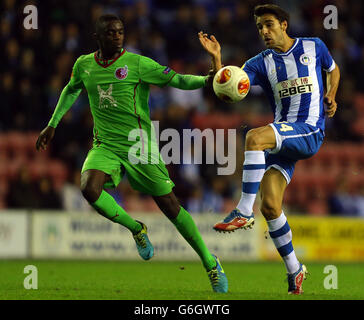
[294,141]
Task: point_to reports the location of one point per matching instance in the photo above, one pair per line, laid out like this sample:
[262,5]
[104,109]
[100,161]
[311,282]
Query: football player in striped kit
[290,73]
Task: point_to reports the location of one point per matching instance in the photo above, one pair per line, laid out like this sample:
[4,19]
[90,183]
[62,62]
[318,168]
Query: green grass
[139,280]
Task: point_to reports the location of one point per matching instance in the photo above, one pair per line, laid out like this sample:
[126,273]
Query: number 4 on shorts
[285,128]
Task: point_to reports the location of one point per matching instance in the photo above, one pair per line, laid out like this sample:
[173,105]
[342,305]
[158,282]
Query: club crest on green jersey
[105,98]
[121,73]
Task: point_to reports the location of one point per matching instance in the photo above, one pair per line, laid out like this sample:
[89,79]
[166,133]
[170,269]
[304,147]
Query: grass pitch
[153,280]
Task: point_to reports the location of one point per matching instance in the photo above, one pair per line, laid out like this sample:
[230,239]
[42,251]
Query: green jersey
[118,93]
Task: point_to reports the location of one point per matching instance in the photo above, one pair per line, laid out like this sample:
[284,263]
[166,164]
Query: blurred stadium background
[42,210]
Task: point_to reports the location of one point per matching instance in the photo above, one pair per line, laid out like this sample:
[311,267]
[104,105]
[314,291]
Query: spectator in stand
[342,202]
[23,192]
[49,198]
[359,202]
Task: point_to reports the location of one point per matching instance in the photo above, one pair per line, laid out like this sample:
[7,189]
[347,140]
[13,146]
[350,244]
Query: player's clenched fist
[44,138]
[331,106]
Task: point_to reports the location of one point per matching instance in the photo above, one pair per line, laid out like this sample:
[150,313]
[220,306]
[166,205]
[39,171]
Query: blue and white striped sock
[253,172]
[281,234]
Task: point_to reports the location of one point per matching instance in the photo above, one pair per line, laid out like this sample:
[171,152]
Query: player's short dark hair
[105,18]
[273,9]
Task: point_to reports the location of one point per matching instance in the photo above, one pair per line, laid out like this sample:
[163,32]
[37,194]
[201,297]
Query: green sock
[188,229]
[107,206]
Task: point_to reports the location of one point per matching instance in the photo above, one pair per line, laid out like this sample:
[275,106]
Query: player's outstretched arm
[188,81]
[213,48]
[332,80]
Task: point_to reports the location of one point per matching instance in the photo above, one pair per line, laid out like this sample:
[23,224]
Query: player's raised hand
[331,106]
[211,45]
[44,138]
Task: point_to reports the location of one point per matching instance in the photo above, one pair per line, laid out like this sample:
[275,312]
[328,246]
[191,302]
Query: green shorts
[152,179]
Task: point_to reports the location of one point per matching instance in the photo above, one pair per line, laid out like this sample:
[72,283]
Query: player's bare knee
[270,209]
[252,140]
[90,191]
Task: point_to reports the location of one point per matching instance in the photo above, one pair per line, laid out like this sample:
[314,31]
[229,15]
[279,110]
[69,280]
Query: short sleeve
[153,73]
[252,70]
[75,80]
[327,62]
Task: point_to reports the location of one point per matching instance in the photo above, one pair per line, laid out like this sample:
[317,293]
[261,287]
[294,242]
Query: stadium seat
[299,168]
[317,207]
[358,127]
[14,166]
[316,178]
[17,143]
[3,204]
[3,172]
[347,154]
[3,161]
[261,120]
[360,154]
[215,121]
[355,182]
[290,196]
[38,169]
[359,103]
[4,187]
[58,172]
[305,186]
[327,155]
[301,196]
[309,163]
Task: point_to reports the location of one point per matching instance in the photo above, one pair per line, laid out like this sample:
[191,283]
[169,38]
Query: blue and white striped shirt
[293,80]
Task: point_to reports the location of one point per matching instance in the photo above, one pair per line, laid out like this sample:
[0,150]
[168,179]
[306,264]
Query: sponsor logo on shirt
[121,73]
[105,98]
[293,87]
[167,70]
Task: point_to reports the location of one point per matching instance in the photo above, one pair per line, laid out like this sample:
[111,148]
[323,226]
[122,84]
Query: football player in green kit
[117,83]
